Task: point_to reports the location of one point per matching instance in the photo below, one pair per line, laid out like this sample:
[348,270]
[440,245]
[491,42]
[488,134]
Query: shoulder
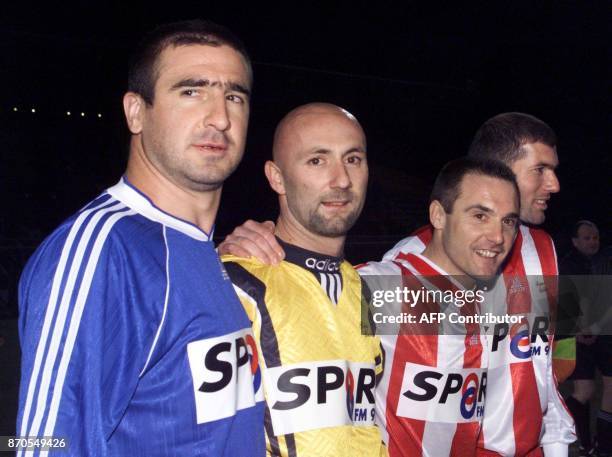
[535,250]
[248,275]
[385,267]
[236,266]
[537,239]
[103,232]
[416,242]
[539,235]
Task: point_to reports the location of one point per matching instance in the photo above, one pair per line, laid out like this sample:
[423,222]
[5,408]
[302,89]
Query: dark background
[421,79]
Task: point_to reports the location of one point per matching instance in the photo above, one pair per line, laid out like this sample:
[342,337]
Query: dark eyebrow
[355,149]
[512,215]
[203,82]
[322,150]
[546,165]
[480,207]
[239,88]
[485,209]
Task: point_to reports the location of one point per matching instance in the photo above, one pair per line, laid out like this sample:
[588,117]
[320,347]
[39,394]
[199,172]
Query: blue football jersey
[133,340]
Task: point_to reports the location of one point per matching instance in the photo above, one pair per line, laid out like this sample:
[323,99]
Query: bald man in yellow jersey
[320,366]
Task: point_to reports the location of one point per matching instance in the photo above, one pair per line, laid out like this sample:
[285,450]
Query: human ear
[275,177]
[437,215]
[133,107]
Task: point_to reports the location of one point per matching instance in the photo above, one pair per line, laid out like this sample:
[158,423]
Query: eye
[539,170]
[509,222]
[314,161]
[236,99]
[189,92]
[480,216]
[354,160]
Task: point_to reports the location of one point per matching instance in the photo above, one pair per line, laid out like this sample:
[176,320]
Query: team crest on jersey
[474,340]
[226,375]
[314,395]
[516,286]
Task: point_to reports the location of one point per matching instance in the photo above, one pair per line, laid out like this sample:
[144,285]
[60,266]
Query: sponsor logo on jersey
[452,395]
[324,265]
[226,375]
[314,395]
[521,341]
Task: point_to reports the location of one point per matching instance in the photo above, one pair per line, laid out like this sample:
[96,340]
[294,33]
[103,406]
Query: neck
[198,207]
[297,235]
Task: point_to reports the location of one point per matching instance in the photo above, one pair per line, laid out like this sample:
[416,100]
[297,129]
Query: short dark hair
[502,137]
[579,224]
[446,189]
[142,71]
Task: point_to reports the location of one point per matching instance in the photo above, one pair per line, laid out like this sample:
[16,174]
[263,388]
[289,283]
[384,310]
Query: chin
[486,275]
[536,218]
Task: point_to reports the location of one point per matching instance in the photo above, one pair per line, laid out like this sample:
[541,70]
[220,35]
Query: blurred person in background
[586,264]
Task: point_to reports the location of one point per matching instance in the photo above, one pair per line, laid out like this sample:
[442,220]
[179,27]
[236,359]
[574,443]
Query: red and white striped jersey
[524,415]
[430,400]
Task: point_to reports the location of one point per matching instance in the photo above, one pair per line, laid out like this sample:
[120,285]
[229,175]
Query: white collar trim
[133,198]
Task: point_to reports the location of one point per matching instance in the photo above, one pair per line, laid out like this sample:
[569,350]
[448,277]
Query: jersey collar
[129,195]
[313,261]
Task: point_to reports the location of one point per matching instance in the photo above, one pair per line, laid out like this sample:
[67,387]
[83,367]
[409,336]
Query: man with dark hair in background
[133,340]
[593,342]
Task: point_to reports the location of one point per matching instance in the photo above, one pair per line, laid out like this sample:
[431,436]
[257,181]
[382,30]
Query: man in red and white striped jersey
[525,415]
[430,401]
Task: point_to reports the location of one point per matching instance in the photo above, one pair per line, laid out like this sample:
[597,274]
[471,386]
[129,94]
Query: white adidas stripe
[51,305]
[60,322]
[323,277]
[75,321]
[64,307]
[332,288]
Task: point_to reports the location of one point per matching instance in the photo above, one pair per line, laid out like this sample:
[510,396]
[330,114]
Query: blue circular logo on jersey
[520,345]
[468,398]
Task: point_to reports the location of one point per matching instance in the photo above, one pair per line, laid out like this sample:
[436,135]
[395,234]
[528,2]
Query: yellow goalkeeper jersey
[319,367]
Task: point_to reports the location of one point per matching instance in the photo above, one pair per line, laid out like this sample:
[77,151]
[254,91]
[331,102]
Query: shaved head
[289,132]
[319,171]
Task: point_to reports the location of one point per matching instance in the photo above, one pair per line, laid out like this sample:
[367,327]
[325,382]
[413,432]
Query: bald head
[320,173]
[301,125]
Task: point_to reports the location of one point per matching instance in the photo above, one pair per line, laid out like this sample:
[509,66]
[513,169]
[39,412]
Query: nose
[496,232]
[216,115]
[552,182]
[341,178]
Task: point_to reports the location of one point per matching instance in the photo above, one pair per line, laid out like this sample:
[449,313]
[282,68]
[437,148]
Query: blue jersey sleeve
[86,329]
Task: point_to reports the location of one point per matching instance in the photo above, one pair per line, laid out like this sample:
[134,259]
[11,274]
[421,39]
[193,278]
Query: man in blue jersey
[133,340]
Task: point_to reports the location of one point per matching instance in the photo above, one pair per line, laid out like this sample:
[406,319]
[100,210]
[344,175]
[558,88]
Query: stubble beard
[208,177]
[332,227]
